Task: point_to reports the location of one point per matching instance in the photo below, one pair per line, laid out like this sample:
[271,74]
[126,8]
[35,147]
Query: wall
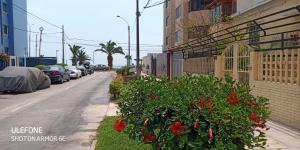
[284,101]
[20,21]
[161,65]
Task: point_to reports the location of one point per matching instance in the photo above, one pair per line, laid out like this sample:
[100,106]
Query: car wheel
[61,80]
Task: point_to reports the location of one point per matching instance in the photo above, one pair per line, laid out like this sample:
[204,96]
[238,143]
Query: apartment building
[255,41]
[184,20]
[13,21]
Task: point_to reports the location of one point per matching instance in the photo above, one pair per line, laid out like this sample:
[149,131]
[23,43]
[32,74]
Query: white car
[74,72]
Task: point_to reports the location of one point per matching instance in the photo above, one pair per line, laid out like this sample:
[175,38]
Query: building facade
[184,20]
[13,20]
[257,42]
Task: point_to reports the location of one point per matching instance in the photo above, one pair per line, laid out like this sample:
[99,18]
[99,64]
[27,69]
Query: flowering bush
[115,87]
[193,112]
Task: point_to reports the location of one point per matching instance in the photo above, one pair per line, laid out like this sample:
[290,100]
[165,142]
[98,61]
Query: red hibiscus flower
[149,138]
[254,117]
[120,125]
[233,99]
[210,105]
[146,122]
[152,96]
[257,120]
[196,124]
[211,135]
[201,103]
[177,129]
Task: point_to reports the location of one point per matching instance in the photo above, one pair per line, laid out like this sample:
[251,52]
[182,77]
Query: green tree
[110,48]
[82,56]
[75,51]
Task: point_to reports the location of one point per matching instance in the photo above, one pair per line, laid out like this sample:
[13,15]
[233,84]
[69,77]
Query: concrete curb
[110,108]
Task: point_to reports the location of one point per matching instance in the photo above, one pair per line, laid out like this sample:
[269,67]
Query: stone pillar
[219,66]
[235,74]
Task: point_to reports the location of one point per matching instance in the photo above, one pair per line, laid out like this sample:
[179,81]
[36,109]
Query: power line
[87,40]
[34,31]
[30,13]
[156,4]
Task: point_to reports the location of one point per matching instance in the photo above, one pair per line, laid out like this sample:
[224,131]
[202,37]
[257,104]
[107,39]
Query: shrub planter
[192,112]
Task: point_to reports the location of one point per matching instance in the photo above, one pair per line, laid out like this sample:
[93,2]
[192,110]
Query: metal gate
[177,65]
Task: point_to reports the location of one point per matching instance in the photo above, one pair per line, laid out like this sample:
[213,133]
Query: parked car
[57,74]
[23,80]
[84,72]
[74,72]
[88,67]
[101,68]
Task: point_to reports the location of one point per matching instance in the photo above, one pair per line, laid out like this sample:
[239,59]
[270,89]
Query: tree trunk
[110,61]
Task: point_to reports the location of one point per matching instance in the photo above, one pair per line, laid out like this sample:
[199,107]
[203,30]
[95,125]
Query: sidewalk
[279,137]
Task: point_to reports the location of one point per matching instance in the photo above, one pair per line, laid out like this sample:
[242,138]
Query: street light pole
[128,59]
[138,71]
[41,32]
[93,57]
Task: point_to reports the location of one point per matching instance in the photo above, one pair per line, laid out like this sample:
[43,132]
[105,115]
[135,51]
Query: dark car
[88,67]
[101,68]
[57,74]
[23,80]
[83,70]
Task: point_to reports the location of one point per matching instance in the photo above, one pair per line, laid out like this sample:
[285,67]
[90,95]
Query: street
[71,111]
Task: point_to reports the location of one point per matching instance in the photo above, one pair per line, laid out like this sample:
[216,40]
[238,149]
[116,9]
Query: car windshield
[48,68]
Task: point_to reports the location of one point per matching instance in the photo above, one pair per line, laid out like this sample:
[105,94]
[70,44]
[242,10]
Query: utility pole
[41,32]
[36,45]
[29,43]
[129,57]
[63,44]
[138,71]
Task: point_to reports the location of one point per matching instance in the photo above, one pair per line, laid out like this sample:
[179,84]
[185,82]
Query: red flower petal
[196,124]
[209,104]
[211,136]
[146,122]
[177,129]
[120,125]
[201,103]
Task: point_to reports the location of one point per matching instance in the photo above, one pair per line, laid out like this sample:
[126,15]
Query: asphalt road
[63,117]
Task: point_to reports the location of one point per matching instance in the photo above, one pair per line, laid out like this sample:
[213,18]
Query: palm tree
[75,50]
[82,56]
[128,58]
[110,48]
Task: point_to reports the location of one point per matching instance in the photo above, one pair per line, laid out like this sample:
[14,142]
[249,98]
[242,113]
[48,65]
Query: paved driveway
[64,116]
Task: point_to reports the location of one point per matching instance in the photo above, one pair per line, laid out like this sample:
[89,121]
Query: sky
[95,20]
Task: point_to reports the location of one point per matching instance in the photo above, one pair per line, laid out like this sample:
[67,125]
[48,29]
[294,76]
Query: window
[294,40]
[216,14]
[178,36]
[4,5]
[196,5]
[167,21]
[6,50]
[229,59]
[178,11]
[167,41]
[254,34]
[5,29]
